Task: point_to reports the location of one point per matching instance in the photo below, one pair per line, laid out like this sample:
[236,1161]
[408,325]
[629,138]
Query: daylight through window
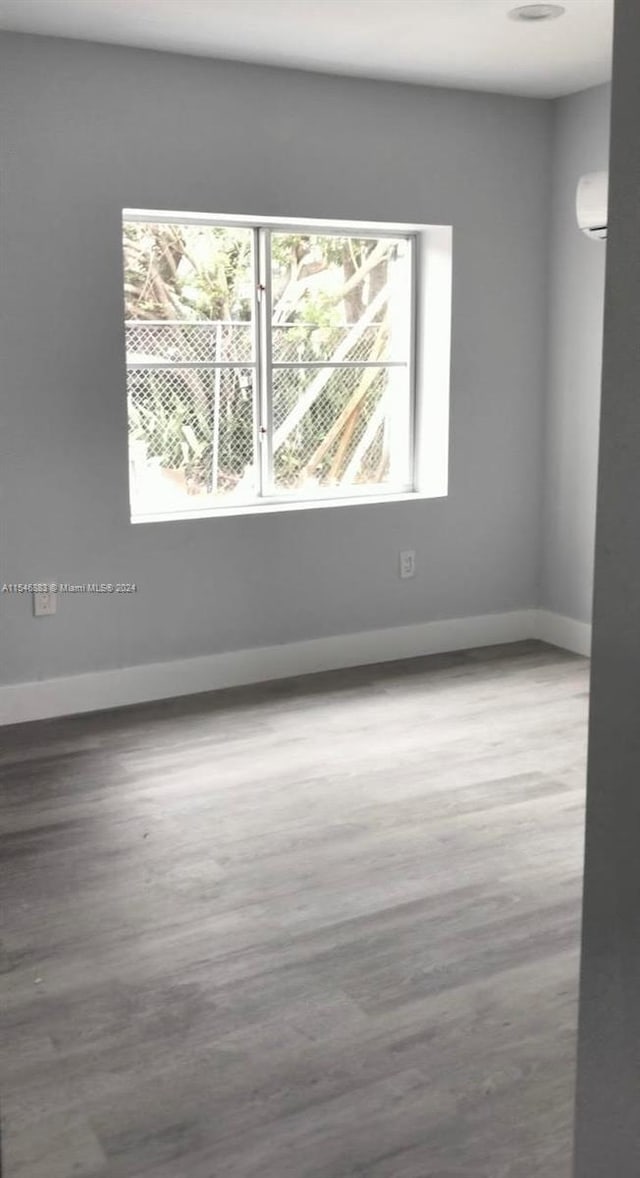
[266,364]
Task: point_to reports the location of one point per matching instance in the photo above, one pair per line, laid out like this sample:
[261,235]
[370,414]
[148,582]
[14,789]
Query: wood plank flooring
[325,928]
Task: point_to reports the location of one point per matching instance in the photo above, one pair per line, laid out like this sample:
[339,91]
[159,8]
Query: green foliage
[187,272]
[173,428]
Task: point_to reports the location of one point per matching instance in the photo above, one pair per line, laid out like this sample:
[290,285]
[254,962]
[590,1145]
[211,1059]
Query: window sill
[278,508]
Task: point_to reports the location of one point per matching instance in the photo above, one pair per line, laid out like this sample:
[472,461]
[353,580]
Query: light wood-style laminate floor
[325,928]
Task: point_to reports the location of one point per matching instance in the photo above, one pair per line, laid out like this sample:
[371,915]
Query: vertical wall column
[608,1090]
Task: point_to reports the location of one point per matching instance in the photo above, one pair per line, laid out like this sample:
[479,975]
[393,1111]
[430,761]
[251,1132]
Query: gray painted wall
[86,130]
[608,1121]
[576,297]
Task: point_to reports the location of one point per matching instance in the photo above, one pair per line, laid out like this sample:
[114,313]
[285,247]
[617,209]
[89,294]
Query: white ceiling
[467,43]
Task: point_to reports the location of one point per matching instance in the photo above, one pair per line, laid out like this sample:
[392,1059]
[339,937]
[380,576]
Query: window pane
[189,303]
[340,427]
[189,292]
[340,298]
[191,438]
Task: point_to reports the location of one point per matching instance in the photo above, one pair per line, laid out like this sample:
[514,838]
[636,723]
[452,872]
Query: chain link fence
[198,422]
[215,342]
[338,439]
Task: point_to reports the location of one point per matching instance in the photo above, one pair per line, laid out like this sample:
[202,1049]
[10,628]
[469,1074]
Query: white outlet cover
[44,604]
[407,564]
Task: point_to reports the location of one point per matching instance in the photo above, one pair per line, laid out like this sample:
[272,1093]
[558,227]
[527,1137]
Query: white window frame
[428,363]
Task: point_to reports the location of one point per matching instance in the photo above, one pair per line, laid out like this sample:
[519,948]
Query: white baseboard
[129,685]
[562,631]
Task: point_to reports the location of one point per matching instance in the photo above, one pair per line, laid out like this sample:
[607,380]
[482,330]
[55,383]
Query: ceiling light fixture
[537,12]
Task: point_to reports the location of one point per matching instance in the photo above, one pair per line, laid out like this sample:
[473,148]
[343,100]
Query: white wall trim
[129,685]
[559,630]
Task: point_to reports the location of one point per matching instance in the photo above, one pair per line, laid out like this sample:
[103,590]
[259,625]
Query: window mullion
[263,304]
[413,371]
[258,370]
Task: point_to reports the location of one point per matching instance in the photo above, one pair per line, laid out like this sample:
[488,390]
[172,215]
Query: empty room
[301,338]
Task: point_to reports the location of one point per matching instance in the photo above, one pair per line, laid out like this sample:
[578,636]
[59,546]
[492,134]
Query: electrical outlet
[407,564]
[44,604]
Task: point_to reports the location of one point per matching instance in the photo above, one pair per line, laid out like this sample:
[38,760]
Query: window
[266,363]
